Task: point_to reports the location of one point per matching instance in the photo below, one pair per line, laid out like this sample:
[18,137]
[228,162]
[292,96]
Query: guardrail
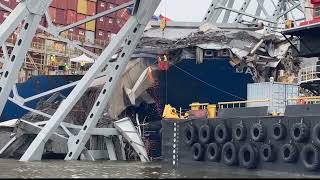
[304,100]
[238,104]
[309,74]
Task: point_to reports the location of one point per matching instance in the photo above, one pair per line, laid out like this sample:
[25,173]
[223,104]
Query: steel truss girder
[217,6]
[133,32]
[243,8]
[31,15]
[213,13]
[128,36]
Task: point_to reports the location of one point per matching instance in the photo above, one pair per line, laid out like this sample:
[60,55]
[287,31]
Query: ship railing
[240,104]
[309,74]
[304,100]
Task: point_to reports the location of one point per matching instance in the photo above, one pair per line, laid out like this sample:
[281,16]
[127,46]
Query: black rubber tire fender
[267,153]
[300,132]
[316,134]
[289,153]
[213,152]
[197,152]
[248,156]
[205,134]
[221,133]
[190,134]
[258,132]
[310,163]
[239,132]
[230,154]
[279,131]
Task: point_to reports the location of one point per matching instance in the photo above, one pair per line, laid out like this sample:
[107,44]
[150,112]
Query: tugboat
[277,129]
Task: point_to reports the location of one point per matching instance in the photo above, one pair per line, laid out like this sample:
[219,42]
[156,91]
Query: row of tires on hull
[217,145]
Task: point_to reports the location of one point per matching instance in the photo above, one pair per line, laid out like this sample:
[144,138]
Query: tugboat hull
[250,140]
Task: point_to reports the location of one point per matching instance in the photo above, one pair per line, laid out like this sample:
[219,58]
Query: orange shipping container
[91,8]
[82,6]
[71,17]
[81,17]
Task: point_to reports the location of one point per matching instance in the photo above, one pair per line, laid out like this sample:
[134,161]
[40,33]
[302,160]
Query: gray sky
[184,10]
[194,10]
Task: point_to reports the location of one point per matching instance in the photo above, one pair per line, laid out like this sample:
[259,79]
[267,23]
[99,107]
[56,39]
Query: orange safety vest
[301,101]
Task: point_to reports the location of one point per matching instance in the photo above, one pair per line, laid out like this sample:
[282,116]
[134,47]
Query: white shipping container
[278,93]
[90,36]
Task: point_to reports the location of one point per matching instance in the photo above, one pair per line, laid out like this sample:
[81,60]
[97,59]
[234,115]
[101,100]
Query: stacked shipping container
[63,12]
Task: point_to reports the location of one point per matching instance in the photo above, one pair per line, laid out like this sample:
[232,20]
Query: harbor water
[113,169]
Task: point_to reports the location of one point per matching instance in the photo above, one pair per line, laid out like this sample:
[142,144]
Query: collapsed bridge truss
[29,12]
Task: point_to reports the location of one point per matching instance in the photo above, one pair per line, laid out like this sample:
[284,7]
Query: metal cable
[208,83]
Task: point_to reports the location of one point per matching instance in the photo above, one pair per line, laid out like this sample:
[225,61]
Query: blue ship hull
[34,86]
[213,81]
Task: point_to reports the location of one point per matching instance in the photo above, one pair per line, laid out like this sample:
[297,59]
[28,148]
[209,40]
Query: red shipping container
[61,16]
[3,15]
[91,8]
[5,2]
[71,16]
[59,4]
[123,14]
[110,1]
[101,23]
[101,35]
[52,14]
[72,5]
[111,6]
[118,2]
[315,1]
[101,6]
[81,17]
[13,4]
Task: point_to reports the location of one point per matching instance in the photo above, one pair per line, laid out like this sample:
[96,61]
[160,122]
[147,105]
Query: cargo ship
[275,130]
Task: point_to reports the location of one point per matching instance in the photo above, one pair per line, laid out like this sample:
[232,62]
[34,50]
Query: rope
[207,83]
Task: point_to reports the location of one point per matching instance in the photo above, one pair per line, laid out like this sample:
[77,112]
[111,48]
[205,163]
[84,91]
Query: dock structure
[74,138]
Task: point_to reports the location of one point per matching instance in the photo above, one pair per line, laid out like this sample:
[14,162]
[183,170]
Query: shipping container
[81,17]
[52,14]
[3,15]
[101,6]
[82,6]
[123,14]
[91,26]
[58,16]
[90,36]
[9,3]
[110,1]
[71,16]
[5,2]
[277,93]
[72,5]
[61,16]
[118,2]
[101,23]
[111,6]
[60,4]
[101,35]
[91,8]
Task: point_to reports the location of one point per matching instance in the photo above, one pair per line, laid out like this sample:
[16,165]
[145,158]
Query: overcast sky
[184,10]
